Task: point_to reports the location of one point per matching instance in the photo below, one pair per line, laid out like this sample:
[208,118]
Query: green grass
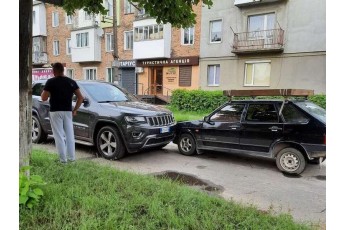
[182,115]
[85,195]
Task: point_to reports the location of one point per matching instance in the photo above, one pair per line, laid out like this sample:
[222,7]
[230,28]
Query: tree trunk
[25,81]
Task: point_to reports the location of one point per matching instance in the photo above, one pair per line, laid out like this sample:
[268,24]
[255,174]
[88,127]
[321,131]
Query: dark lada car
[110,118]
[256,127]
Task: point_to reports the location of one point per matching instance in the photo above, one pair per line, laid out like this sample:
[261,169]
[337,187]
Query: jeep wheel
[186,145]
[37,133]
[109,144]
[291,161]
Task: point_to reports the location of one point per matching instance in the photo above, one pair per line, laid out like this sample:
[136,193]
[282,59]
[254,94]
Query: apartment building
[262,44]
[162,58]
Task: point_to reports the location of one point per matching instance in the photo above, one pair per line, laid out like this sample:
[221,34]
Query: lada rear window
[313,109]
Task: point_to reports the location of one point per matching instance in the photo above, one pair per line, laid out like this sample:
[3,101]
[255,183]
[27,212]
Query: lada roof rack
[269,92]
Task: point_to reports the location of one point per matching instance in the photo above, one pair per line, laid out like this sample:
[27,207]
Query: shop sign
[126,63]
[194,60]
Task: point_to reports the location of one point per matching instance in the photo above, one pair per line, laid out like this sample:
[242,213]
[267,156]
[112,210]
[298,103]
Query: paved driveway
[247,180]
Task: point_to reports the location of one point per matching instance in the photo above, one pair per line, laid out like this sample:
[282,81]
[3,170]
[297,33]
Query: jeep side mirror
[86,102]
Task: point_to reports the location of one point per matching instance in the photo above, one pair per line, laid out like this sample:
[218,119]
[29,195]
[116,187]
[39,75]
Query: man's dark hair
[58,67]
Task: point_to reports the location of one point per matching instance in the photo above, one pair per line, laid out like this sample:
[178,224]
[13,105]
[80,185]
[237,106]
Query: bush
[29,191]
[207,101]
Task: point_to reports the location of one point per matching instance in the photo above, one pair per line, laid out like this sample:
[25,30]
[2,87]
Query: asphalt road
[250,181]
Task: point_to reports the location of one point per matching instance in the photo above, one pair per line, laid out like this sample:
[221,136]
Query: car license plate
[165,129]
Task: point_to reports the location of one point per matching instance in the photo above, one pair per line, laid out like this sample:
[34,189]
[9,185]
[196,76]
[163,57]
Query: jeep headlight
[135,119]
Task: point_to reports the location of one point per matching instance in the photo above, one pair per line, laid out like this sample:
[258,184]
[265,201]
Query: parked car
[256,127]
[110,118]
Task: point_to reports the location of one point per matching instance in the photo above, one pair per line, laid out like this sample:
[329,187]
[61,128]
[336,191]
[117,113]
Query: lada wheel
[186,144]
[291,161]
[109,144]
[37,133]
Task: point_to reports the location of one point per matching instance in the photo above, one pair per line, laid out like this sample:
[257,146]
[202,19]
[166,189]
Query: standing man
[61,89]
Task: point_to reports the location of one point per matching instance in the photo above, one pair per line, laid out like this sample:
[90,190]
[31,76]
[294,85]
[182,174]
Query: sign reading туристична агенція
[169,61]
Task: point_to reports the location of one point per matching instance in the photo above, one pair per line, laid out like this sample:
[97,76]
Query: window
[34,17]
[128,40]
[68,46]
[261,22]
[109,7]
[56,48]
[257,73]
[55,19]
[293,115]
[185,76]
[87,16]
[70,73]
[262,113]
[90,73]
[216,31]
[37,89]
[109,42]
[68,19]
[110,75]
[188,36]
[82,39]
[129,8]
[213,75]
[230,113]
[151,32]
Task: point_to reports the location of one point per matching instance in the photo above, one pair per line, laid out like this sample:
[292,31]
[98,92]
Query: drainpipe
[115,52]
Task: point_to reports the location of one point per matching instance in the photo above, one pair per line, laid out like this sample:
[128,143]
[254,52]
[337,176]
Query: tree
[177,12]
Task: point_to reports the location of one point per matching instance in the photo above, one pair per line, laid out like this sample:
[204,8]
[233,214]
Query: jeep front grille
[161,120]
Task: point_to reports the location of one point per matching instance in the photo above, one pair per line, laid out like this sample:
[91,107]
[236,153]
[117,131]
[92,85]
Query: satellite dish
[100,32]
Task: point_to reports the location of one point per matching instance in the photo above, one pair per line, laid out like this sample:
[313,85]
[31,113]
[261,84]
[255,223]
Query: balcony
[83,20]
[39,58]
[259,41]
[86,45]
[240,3]
[140,15]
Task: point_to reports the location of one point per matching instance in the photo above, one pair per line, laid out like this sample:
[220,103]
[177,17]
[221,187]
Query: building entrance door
[157,81]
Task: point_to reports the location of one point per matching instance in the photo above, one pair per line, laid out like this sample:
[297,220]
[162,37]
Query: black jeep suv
[110,118]
[293,134]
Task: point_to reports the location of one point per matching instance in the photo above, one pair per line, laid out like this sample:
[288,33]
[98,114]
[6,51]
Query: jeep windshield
[105,93]
[315,110]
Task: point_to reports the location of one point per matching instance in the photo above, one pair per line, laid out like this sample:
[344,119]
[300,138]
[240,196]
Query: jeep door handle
[234,127]
[275,128]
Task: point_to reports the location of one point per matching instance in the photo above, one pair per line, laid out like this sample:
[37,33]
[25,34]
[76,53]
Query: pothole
[291,175]
[320,177]
[190,180]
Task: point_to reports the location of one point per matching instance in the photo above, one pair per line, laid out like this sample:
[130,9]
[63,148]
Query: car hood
[137,107]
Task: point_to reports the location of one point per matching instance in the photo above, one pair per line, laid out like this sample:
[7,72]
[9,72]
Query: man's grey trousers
[62,126]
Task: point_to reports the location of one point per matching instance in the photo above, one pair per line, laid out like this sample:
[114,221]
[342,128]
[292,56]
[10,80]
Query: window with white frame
[56,48]
[109,42]
[151,32]
[110,74]
[68,19]
[34,17]
[261,22]
[90,73]
[129,8]
[55,19]
[128,40]
[213,75]
[87,16]
[188,36]
[257,73]
[82,39]
[70,73]
[68,46]
[109,7]
[215,31]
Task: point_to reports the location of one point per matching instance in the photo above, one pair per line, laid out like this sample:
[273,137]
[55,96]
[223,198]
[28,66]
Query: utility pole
[115,52]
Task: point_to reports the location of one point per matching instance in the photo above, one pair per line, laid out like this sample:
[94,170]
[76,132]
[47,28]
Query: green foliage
[177,12]
[204,101]
[29,188]
[320,100]
[197,100]
[90,6]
